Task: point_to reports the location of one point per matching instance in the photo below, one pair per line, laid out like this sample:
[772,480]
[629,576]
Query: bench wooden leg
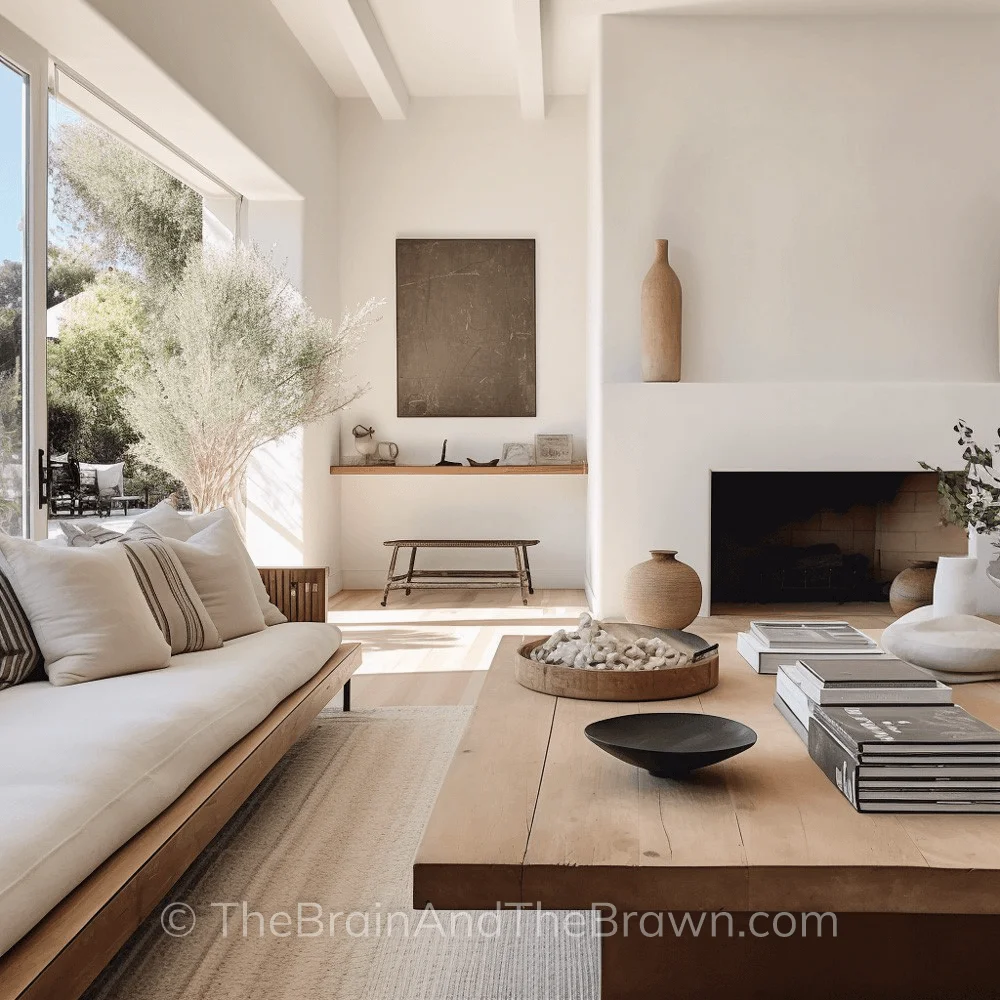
[527,568]
[409,572]
[522,578]
[392,570]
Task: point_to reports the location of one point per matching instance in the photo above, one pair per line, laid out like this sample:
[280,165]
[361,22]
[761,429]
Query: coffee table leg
[521,578]
[527,568]
[409,572]
[392,569]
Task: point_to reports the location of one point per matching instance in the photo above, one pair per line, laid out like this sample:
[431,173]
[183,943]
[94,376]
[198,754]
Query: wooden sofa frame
[63,954]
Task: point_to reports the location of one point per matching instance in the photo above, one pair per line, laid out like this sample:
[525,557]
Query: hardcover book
[855,672]
[792,635]
[908,730]
[790,717]
[932,772]
[767,661]
[834,761]
[856,681]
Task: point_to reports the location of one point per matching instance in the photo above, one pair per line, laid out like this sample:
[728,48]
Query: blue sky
[11,163]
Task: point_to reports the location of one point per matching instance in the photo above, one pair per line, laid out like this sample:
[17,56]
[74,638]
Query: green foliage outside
[134,227]
[68,275]
[91,366]
[126,209]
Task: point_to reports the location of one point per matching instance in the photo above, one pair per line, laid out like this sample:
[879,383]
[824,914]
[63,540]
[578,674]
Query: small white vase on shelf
[955,586]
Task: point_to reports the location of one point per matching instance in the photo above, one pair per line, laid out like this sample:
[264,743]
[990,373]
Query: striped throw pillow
[169,592]
[20,656]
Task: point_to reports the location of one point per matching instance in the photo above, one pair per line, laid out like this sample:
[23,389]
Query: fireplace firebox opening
[822,537]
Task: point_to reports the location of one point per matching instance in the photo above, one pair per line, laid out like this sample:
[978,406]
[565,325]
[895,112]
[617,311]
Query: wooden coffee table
[531,812]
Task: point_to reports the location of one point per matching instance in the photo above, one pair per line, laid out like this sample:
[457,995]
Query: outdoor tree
[68,275]
[92,366]
[234,359]
[130,210]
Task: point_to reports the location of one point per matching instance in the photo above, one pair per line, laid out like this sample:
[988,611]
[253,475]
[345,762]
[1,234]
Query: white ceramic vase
[987,573]
[955,586]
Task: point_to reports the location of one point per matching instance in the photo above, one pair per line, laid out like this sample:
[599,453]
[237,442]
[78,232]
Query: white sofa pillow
[212,559]
[86,610]
[169,522]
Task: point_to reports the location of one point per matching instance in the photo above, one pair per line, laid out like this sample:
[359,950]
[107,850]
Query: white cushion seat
[956,649]
[85,767]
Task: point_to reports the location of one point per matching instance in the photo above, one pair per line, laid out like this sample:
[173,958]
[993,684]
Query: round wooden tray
[614,685]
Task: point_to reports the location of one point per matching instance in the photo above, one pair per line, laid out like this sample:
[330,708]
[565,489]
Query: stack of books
[925,758]
[815,681]
[769,644]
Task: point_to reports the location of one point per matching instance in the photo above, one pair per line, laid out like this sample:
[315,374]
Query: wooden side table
[300,594]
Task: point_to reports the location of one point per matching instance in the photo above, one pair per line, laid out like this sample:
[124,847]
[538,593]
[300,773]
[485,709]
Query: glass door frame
[30,59]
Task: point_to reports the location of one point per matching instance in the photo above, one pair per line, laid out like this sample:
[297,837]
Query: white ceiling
[468,47]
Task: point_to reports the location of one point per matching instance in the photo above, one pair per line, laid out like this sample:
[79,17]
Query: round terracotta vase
[662,592]
[913,588]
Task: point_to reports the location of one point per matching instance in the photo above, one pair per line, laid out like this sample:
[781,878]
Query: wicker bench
[459,579]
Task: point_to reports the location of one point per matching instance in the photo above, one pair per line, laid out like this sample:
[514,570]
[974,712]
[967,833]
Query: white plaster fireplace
[662,442]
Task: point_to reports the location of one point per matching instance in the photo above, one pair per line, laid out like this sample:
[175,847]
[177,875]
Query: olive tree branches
[234,359]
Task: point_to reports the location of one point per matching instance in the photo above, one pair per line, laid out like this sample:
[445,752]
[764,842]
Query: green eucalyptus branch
[970,497]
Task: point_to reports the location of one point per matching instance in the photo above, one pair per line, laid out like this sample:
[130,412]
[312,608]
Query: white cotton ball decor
[592,647]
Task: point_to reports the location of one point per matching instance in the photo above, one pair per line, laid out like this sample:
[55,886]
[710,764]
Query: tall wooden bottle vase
[661,320]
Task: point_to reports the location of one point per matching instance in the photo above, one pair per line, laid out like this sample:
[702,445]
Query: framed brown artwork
[465,327]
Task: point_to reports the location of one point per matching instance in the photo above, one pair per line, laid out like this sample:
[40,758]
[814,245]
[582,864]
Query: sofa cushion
[86,610]
[172,597]
[84,768]
[169,522]
[20,656]
[212,559]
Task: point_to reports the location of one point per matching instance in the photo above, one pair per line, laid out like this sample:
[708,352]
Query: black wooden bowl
[671,744]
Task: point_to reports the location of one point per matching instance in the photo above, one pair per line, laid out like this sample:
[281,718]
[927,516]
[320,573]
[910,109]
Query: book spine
[834,761]
[794,698]
[842,697]
[837,731]
[746,647]
[790,717]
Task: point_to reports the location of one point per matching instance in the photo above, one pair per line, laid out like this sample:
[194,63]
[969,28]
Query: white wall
[467,167]
[831,192]
[830,188]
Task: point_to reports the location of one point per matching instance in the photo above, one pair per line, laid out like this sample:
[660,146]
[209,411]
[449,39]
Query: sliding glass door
[15,267]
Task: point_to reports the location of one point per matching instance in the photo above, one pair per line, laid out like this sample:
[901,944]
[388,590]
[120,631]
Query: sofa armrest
[299,592]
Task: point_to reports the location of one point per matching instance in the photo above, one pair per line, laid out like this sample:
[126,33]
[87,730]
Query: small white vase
[987,587]
[955,586]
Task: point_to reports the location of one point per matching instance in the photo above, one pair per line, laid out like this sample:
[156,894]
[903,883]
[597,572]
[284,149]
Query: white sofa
[84,767]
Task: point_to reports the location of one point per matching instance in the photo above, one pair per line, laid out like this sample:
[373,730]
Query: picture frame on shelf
[517,453]
[554,449]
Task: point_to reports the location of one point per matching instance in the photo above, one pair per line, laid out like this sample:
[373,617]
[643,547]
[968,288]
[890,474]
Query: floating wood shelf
[459,470]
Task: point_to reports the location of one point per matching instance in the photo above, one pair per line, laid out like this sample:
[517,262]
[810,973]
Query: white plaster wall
[754,427]
[467,167]
[830,191]
[829,187]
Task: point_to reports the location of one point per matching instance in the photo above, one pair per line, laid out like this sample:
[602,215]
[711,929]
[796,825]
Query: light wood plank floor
[434,647]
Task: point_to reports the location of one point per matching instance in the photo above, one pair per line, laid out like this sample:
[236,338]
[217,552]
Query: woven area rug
[333,830]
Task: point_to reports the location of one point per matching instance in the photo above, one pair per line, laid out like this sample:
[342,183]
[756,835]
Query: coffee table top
[531,811]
